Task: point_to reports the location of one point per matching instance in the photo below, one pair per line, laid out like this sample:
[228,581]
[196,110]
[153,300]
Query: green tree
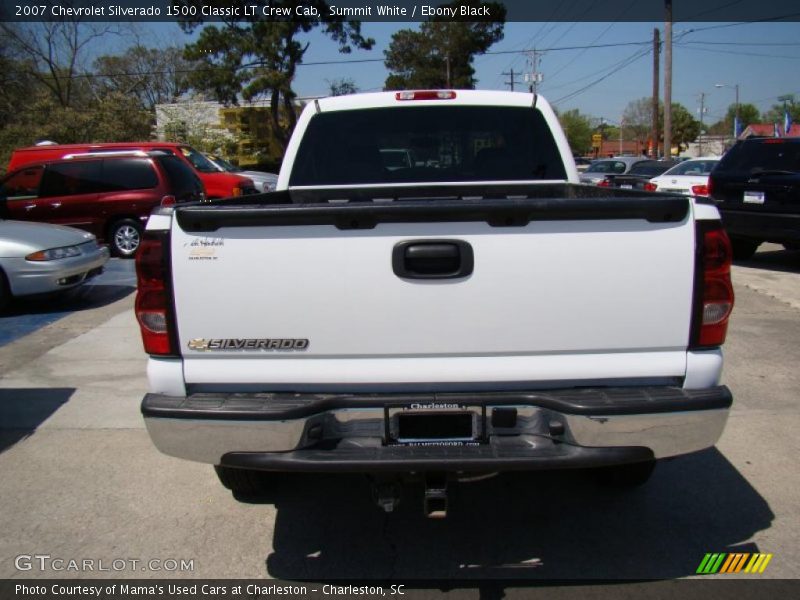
[748,114]
[776,113]
[578,129]
[440,54]
[342,87]
[638,122]
[257,57]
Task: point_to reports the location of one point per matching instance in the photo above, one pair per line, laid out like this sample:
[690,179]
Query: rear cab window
[426,144]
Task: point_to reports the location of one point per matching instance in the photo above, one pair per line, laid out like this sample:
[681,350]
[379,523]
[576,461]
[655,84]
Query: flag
[787,122]
[737,127]
[775,131]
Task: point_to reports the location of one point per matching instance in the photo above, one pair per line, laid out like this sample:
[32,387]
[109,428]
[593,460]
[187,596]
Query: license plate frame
[754,197]
[451,425]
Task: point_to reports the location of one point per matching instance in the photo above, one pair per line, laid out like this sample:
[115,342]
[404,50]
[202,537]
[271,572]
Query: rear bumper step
[532,455]
[409,432]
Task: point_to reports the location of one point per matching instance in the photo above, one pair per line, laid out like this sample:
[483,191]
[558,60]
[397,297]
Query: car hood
[38,236]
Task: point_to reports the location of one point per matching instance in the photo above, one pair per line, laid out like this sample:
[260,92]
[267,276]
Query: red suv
[218,184]
[109,195]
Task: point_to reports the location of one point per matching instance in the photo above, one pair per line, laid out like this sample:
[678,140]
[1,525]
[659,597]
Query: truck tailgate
[308,297]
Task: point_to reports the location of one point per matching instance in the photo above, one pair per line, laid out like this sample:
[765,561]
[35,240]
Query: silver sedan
[37,258]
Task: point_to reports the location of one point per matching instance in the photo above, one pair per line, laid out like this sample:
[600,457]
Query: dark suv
[109,195]
[756,186]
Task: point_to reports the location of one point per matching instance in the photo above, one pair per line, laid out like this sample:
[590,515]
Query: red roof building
[768,130]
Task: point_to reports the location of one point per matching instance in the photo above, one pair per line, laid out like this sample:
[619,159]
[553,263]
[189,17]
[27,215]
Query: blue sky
[763,58]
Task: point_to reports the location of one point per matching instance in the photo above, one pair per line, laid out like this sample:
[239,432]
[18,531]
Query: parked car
[582,163]
[687,177]
[756,186]
[597,171]
[264,181]
[639,175]
[218,184]
[36,258]
[110,195]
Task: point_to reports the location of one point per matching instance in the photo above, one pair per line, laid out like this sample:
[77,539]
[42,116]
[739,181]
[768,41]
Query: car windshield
[607,166]
[693,167]
[200,162]
[231,168]
[772,154]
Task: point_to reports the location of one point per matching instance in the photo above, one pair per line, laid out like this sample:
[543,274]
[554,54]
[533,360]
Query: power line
[629,61]
[684,46]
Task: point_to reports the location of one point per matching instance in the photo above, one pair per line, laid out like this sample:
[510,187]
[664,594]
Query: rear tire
[244,482]
[125,237]
[743,248]
[626,476]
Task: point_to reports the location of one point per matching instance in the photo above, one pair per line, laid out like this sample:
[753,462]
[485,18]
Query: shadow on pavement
[783,261]
[22,410]
[520,527]
[84,297]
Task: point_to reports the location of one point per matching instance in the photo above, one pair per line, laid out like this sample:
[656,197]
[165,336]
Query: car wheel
[244,482]
[626,476]
[743,248]
[124,237]
[5,292]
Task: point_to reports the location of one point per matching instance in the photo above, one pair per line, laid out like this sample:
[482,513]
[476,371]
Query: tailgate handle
[432,259]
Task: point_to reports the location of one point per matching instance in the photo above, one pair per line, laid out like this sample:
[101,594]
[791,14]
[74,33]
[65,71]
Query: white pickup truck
[469,309]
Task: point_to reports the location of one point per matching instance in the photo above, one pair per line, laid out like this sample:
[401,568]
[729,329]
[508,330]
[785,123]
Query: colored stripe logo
[718,563]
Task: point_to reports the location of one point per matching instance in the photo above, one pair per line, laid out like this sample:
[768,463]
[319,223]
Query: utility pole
[668,80]
[447,60]
[534,78]
[621,123]
[656,56]
[510,82]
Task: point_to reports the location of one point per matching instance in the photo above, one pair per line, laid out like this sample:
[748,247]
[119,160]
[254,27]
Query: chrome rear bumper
[314,432]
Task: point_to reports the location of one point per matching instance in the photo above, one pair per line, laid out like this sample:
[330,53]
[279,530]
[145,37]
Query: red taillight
[168,201]
[701,190]
[604,183]
[152,299]
[714,293]
[425,95]
[710,187]
[650,187]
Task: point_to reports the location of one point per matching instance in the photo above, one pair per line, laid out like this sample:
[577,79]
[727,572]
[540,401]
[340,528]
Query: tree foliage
[578,129]
[440,54]
[257,58]
[776,113]
[342,87]
[47,94]
[152,75]
[748,114]
[637,122]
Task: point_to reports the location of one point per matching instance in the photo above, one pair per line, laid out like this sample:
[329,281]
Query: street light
[736,109]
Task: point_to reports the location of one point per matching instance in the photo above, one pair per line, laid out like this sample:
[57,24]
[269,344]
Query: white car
[689,177]
[38,258]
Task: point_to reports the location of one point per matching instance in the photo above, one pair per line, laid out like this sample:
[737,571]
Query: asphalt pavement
[81,479]
[27,315]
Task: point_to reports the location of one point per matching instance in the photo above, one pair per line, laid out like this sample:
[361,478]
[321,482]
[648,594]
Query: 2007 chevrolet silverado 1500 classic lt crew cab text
[473,310]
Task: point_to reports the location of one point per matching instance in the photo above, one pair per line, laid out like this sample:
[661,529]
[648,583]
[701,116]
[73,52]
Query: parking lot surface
[82,480]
